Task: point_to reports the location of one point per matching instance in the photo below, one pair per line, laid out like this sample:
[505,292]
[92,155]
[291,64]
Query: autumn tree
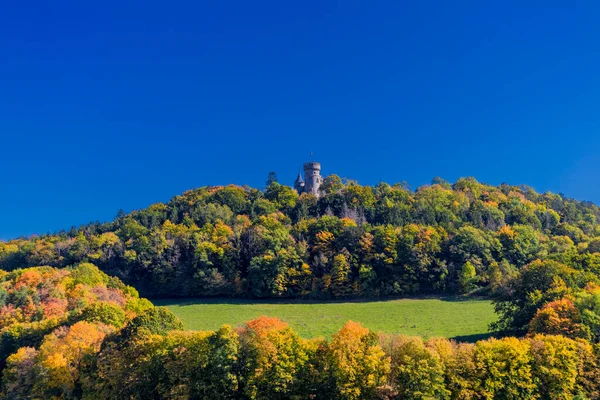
[504,369]
[61,356]
[417,372]
[340,276]
[554,366]
[273,358]
[21,374]
[559,317]
[356,363]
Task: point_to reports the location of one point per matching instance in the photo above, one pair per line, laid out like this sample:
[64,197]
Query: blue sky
[109,105]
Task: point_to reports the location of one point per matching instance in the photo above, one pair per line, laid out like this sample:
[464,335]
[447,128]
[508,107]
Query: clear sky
[108,105]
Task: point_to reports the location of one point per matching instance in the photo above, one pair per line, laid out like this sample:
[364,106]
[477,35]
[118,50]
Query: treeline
[265,359]
[352,241]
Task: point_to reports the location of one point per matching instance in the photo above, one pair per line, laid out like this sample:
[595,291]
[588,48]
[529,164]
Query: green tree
[467,278]
[537,284]
[157,321]
[272,178]
[106,313]
[219,377]
[521,244]
[331,184]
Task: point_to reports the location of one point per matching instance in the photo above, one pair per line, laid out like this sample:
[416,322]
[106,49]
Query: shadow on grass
[474,338]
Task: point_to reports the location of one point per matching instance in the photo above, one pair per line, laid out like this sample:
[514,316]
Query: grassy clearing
[465,320]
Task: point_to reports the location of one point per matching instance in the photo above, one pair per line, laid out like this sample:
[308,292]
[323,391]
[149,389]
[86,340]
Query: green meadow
[465,320]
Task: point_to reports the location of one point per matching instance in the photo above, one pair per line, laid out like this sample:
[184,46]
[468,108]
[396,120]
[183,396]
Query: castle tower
[313,178]
[299,184]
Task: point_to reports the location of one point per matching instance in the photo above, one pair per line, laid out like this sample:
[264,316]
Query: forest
[352,241]
[76,333]
[72,325]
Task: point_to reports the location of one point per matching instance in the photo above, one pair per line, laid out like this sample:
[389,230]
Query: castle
[312,179]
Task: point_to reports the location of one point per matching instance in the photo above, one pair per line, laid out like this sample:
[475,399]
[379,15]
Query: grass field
[465,320]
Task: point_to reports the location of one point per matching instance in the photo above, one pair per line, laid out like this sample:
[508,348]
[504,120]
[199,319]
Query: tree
[504,369]
[460,373]
[340,280]
[554,366]
[283,196]
[476,246]
[417,372]
[103,312]
[466,278]
[559,317]
[440,181]
[274,357]
[219,377]
[356,362]
[275,274]
[20,374]
[594,246]
[521,244]
[61,356]
[272,178]
[537,283]
[88,274]
[331,184]
[157,321]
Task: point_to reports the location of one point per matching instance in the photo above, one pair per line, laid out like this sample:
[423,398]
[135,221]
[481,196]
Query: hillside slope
[352,241]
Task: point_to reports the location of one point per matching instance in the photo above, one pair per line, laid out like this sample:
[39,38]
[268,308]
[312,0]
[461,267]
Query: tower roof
[312,165]
[299,178]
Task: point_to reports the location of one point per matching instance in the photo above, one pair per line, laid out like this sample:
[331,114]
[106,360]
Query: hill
[69,330]
[353,240]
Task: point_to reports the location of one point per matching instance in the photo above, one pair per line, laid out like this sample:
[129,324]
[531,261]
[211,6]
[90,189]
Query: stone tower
[312,177]
[299,184]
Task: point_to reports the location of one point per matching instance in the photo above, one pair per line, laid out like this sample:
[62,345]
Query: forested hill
[352,241]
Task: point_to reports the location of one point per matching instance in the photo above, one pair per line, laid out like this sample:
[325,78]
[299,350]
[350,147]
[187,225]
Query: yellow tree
[459,367]
[417,372]
[62,352]
[273,357]
[555,362]
[340,279]
[356,362]
[504,369]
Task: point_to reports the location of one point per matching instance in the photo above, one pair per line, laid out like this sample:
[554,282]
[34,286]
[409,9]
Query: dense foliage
[352,241]
[78,334]
[68,330]
[60,316]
